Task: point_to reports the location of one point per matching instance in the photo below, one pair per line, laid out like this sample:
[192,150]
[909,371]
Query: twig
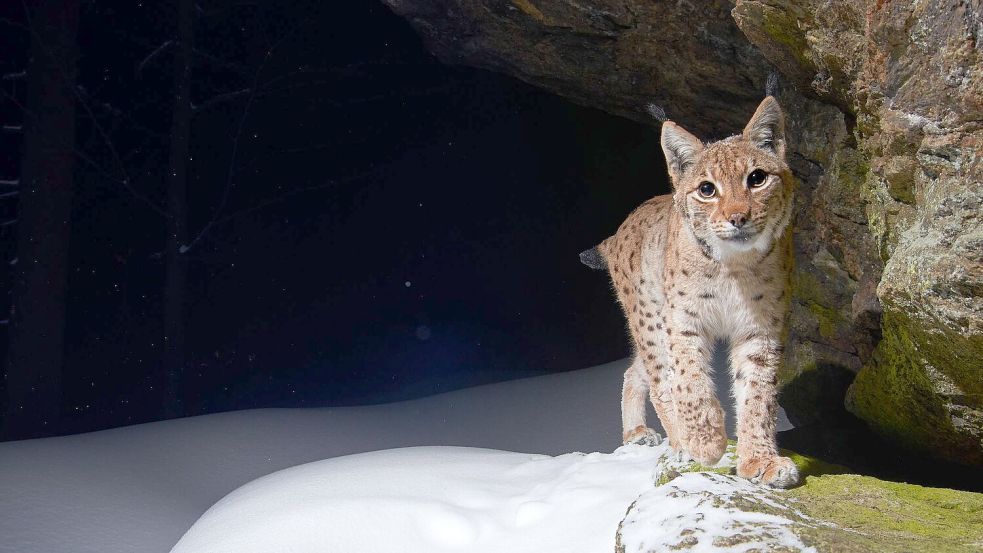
[160,50]
[284,197]
[220,98]
[85,157]
[184,248]
[125,181]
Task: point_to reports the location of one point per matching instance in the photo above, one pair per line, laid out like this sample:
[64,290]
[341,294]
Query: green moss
[896,394]
[529,9]
[674,470]
[810,292]
[782,28]
[810,466]
[833,510]
[890,516]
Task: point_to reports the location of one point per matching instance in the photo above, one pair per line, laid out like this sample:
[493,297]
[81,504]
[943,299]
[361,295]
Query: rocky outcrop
[613,54]
[911,76]
[886,114]
[708,508]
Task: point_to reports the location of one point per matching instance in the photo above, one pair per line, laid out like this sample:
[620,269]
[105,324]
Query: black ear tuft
[657,112]
[773,86]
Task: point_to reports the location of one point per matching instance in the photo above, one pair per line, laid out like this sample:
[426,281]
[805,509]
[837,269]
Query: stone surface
[618,55]
[702,509]
[885,104]
[909,74]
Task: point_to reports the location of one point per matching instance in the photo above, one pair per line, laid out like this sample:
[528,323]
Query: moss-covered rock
[890,516]
[697,508]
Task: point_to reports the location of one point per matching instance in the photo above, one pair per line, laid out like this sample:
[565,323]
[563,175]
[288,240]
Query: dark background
[389,227]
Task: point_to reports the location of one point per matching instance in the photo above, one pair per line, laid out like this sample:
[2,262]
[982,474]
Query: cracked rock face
[885,109]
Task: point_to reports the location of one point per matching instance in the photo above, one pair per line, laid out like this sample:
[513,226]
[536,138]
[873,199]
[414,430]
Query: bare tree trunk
[37,323]
[176,279]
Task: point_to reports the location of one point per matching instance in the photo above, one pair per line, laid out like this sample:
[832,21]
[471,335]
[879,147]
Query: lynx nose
[738,219]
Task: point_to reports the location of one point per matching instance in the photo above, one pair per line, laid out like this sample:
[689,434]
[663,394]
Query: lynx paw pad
[777,472]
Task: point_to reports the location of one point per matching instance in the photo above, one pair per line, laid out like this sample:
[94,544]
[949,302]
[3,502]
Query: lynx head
[735,195]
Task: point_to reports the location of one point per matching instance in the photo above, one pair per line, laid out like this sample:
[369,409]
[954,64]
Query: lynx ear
[766,129]
[680,147]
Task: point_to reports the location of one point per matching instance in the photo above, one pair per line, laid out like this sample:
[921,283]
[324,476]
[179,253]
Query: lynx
[710,261]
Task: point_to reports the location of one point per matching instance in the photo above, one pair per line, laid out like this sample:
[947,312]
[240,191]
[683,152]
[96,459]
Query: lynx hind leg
[633,395]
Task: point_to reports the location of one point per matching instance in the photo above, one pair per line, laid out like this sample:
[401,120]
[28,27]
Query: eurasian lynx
[710,261]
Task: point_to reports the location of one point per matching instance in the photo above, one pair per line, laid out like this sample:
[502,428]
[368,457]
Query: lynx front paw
[642,435]
[777,472]
[707,446]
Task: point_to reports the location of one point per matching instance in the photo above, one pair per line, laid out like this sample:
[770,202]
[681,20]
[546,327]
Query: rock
[886,125]
[912,76]
[695,508]
[621,56]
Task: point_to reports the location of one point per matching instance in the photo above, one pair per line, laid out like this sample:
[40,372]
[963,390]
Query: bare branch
[85,157]
[11,194]
[280,199]
[150,57]
[9,182]
[125,180]
[235,143]
[221,99]
[12,23]
[222,63]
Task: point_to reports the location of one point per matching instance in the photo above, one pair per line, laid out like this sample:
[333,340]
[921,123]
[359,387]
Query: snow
[139,489]
[431,499]
[697,508]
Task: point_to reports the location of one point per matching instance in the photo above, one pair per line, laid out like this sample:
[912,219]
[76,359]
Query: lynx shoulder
[709,261]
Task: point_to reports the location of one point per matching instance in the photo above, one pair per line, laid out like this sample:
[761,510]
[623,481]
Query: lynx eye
[707,189]
[756,178]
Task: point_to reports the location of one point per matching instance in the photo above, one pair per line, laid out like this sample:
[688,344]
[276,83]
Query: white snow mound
[432,499]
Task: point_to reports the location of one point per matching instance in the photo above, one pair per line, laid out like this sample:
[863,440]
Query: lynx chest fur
[710,261]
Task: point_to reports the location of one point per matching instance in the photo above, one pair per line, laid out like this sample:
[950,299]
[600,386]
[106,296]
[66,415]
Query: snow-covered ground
[429,500]
[139,489]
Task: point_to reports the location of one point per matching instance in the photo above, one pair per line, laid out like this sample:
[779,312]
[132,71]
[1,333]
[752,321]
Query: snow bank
[431,499]
[435,499]
[138,489]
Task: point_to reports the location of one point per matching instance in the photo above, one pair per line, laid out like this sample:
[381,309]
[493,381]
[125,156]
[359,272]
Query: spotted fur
[688,270]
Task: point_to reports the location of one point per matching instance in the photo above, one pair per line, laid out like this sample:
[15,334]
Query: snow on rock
[435,499]
[710,512]
[432,499]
